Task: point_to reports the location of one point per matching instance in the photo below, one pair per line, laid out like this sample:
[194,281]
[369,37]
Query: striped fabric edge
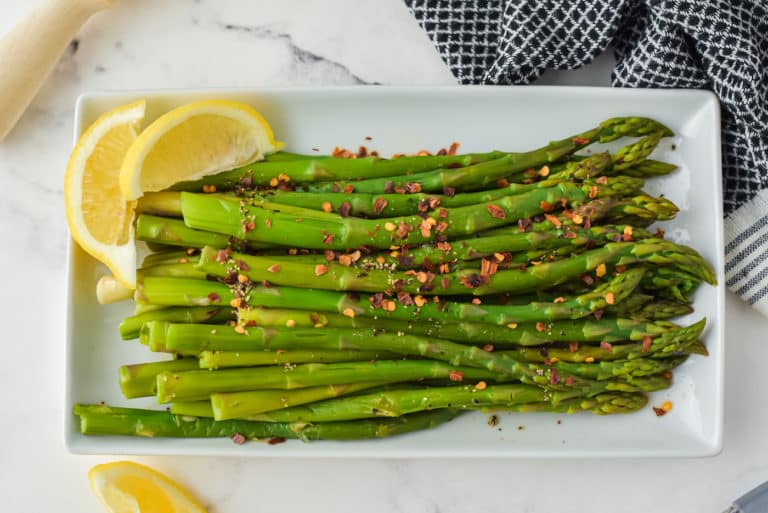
[746,252]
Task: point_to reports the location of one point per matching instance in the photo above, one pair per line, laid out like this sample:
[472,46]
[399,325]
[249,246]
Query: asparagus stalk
[260,401]
[185,292]
[393,204]
[284,271]
[107,420]
[484,174]
[294,226]
[130,327]
[384,403]
[601,404]
[224,359]
[194,338]
[199,384]
[139,380]
[585,330]
[173,232]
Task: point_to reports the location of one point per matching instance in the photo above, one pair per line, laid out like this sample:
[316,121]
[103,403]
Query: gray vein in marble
[302,55]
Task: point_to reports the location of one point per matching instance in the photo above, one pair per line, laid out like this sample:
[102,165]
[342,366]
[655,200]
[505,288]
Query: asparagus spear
[107,420]
[284,271]
[174,232]
[393,204]
[260,401]
[139,380]
[131,326]
[485,174]
[294,226]
[586,330]
[185,292]
[223,359]
[384,403]
[199,384]
[194,338]
[601,404]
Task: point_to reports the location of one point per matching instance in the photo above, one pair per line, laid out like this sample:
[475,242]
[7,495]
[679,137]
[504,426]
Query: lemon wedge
[99,218]
[193,141]
[128,487]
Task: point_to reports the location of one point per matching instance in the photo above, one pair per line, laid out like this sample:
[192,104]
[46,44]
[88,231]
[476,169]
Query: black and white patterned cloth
[720,45]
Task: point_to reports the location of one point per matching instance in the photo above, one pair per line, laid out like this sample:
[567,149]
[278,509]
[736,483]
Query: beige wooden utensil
[30,50]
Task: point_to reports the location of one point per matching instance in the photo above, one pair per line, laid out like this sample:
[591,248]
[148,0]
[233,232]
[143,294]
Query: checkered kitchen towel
[715,44]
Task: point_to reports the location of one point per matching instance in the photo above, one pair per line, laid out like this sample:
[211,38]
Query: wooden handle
[30,50]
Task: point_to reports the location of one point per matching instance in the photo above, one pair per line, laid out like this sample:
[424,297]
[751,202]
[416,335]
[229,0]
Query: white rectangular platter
[407,120]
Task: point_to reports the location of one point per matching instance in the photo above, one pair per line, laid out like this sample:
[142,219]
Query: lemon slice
[100,220]
[193,141]
[127,487]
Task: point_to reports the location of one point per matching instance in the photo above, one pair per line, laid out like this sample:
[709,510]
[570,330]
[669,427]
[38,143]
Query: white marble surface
[184,43]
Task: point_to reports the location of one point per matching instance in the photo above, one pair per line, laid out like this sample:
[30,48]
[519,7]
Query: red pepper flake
[488,267]
[569,380]
[445,282]
[389,187]
[546,206]
[627,234]
[214,298]
[476,301]
[443,246]
[412,187]
[606,346]
[453,148]
[554,377]
[238,438]
[248,226]
[587,223]
[667,375]
[274,268]
[573,347]
[242,266]
[580,141]
[345,260]
[403,230]
[502,182]
[328,239]
[443,213]
[379,204]
[660,233]
[335,188]
[404,298]
[344,209]
[390,306]
[496,211]
[660,412]
[552,219]
[598,314]
[362,152]
[544,171]
[349,312]
[222,256]
[320,269]
[348,189]
[523,225]
[488,348]
[330,255]
[602,180]
[589,280]
[456,376]
[600,270]
[276,440]
[647,340]
[471,281]
[426,229]
[449,191]
[327,207]
[620,269]
[593,191]
[540,326]
[609,298]
[558,299]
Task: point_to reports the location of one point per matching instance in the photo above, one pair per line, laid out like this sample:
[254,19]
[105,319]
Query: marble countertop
[181,44]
